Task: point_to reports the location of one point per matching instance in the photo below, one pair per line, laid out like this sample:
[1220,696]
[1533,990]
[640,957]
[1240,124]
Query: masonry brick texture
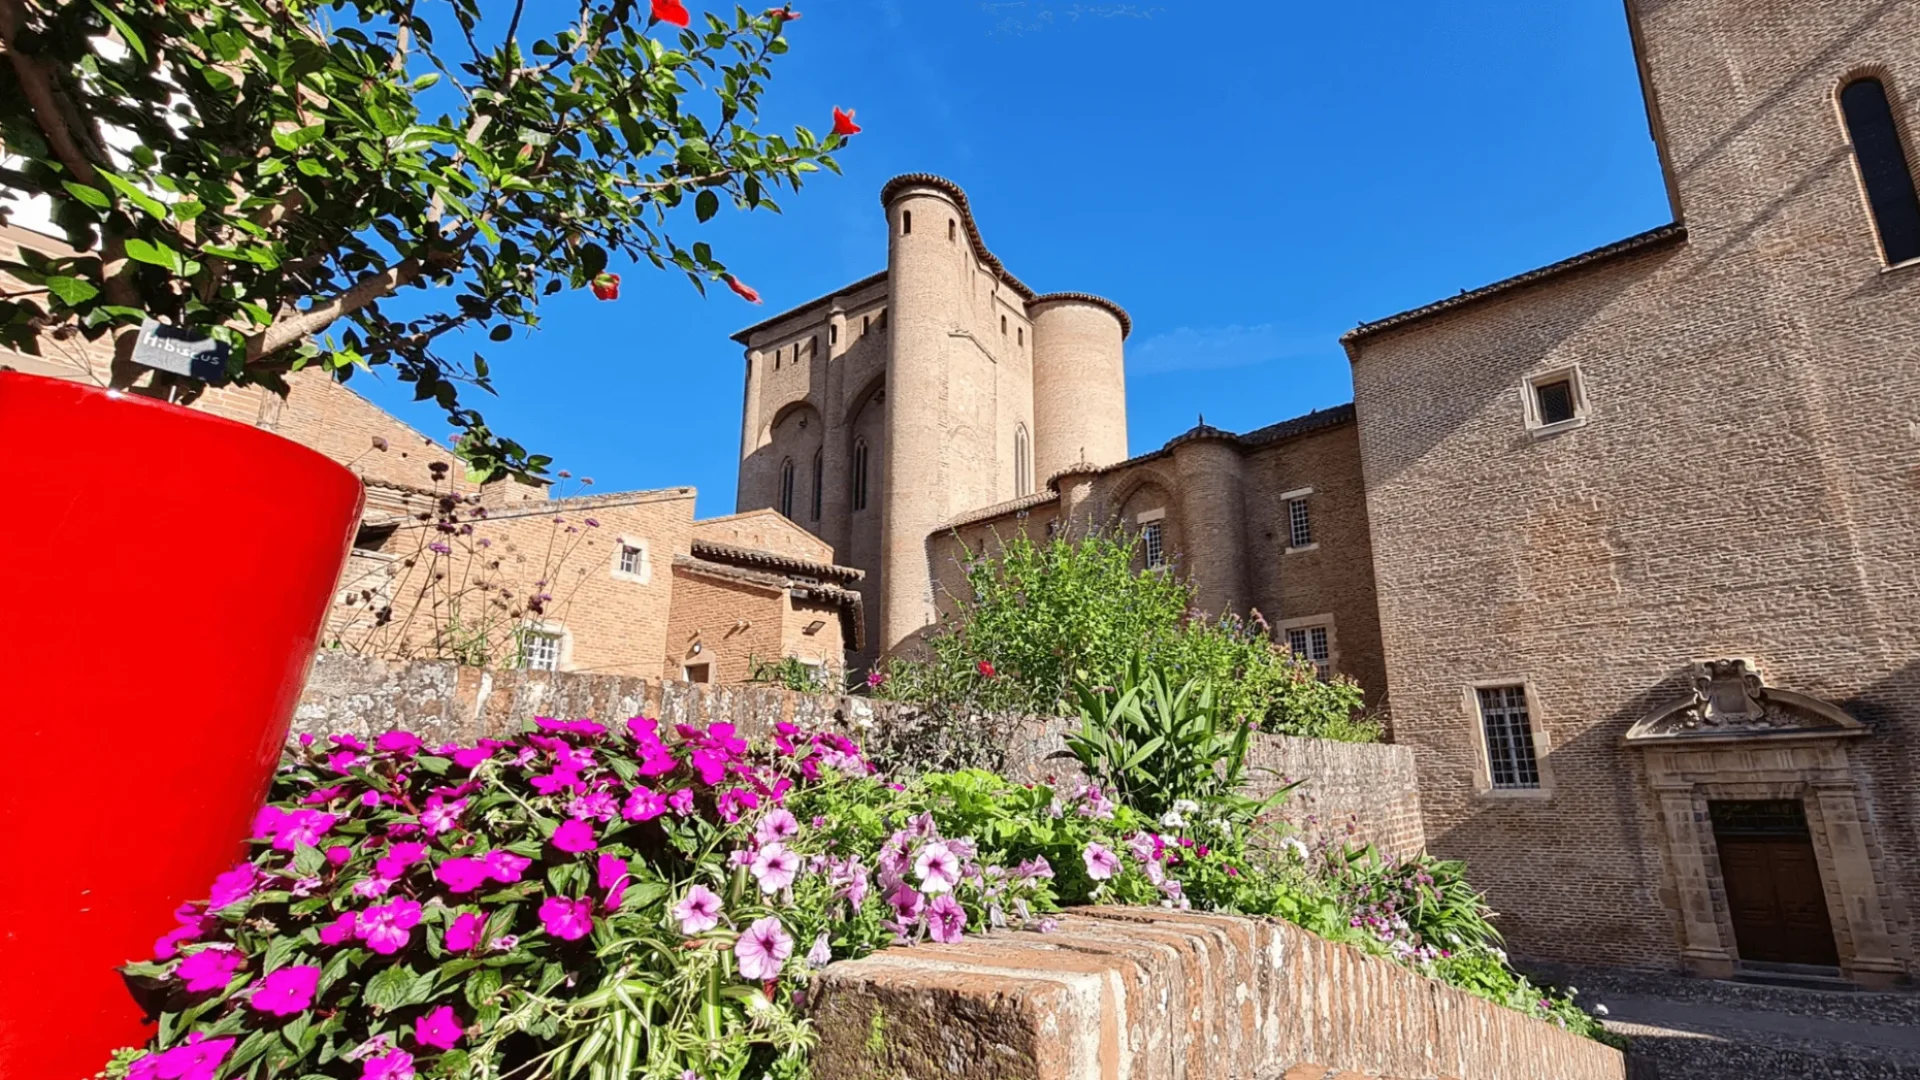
[1745,485]
[1160,995]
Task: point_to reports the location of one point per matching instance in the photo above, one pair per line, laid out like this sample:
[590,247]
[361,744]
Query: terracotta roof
[1653,238]
[1272,433]
[850,603]
[1126,321]
[987,258]
[730,573]
[870,279]
[729,553]
[987,513]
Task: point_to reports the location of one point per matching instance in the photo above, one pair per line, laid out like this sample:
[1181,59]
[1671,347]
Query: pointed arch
[786,487]
[1886,172]
[1022,463]
[819,482]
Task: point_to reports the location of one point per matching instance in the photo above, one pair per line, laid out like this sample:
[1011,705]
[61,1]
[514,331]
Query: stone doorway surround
[1737,739]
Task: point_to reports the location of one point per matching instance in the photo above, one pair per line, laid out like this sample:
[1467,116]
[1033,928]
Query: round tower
[1212,513]
[1079,382]
[925,287]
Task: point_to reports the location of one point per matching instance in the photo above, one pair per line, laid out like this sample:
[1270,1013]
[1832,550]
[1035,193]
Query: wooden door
[1773,885]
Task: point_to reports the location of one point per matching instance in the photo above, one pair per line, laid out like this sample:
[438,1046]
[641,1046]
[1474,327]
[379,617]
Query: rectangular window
[630,559]
[1153,539]
[1555,401]
[1310,643]
[1511,763]
[1299,524]
[539,650]
[698,672]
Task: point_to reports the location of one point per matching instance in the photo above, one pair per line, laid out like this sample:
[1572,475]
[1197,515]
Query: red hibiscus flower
[671,11]
[985,669]
[745,290]
[843,122]
[606,286]
[786,13]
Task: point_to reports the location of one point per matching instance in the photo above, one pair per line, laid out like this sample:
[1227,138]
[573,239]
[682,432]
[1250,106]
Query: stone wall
[1151,994]
[1348,792]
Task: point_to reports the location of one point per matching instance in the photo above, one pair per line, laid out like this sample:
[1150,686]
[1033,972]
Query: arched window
[819,483]
[786,487]
[859,474]
[953,231]
[1884,170]
[906,223]
[1022,466]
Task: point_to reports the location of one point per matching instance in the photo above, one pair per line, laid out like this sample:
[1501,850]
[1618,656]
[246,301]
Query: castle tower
[1079,382]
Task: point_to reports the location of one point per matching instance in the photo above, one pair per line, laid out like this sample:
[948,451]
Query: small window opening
[1884,169]
[786,487]
[1511,761]
[1309,643]
[632,557]
[776,359]
[1020,336]
[819,483]
[860,474]
[866,324]
[699,673]
[833,335]
[906,223]
[1556,401]
[1153,540]
[539,650]
[953,230]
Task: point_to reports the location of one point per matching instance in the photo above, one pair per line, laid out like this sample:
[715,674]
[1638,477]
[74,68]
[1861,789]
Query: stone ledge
[1149,994]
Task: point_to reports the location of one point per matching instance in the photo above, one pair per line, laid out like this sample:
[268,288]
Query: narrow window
[539,650]
[1555,400]
[1003,326]
[1884,170]
[786,487]
[1299,523]
[1022,466]
[953,231]
[632,558]
[1309,643]
[833,335]
[1511,763]
[860,474]
[819,483]
[776,359]
[1020,336]
[1153,539]
[866,323]
[906,223]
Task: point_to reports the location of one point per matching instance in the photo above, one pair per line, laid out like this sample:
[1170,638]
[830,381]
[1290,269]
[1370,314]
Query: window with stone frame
[539,650]
[1312,644]
[1507,727]
[1299,523]
[1153,542]
[633,559]
[1885,172]
[1555,401]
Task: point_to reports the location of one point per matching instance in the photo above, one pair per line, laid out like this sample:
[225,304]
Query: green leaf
[706,204]
[148,205]
[132,39]
[482,985]
[292,141]
[156,254]
[92,196]
[308,860]
[72,291]
[389,989]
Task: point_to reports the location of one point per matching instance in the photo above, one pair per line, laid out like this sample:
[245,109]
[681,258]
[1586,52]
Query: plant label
[180,351]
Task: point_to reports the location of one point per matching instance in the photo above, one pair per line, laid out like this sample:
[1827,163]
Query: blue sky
[1248,179]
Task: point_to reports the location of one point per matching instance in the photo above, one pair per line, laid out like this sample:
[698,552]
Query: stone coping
[1150,994]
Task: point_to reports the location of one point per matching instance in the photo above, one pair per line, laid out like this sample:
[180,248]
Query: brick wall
[1360,793]
[1157,995]
[733,622]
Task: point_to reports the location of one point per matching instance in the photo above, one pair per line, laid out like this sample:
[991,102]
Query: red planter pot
[166,574]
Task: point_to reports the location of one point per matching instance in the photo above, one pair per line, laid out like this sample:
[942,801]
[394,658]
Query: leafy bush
[1040,616]
[789,673]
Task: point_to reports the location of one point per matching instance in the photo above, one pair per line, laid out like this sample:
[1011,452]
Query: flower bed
[648,903]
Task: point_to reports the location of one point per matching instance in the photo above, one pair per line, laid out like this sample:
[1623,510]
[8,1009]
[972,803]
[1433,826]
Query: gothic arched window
[1022,463]
[859,474]
[1884,170]
[818,483]
[786,487]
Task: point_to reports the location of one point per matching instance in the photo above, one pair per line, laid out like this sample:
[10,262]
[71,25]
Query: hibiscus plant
[259,171]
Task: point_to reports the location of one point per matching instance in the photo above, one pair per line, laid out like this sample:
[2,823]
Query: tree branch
[375,286]
[37,87]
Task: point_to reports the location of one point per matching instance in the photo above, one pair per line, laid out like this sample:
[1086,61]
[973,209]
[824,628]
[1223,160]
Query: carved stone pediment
[1729,702]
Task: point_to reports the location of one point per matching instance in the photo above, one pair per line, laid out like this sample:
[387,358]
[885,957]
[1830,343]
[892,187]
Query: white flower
[1600,1010]
[1172,819]
[1185,806]
[1295,848]
[1225,827]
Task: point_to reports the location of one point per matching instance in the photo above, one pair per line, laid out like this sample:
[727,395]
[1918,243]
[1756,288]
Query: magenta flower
[698,911]
[198,1058]
[938,868]
[339,855]
[168,945]
[568,920]
[763,949]
[597,806]
[465,931]
[468,758]
[399,858]
[775,868]
[340,929]
[613,877]
[439,816]
[906,902]
[397,1065]
[399,742]
[286,991]
[735,802]
[1101,863]
[208,969]
[266,823]
[439,1029]
[711,765]
[681,802]
[231,887]
[301,827]
[387,928]
[643,805]
[946,919]
[504,866]
[463,875]
[775,826]
[1034,869]
[574,837]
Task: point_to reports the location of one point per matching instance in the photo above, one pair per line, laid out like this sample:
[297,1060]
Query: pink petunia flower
[208,969]
[822,952]
[286,991]
[698,911]
[763,949]
[504,866]
[1101,863]
[439,1029]
[386,929]
[775,868]
[399,742]
[946,919]
[643,805]
[574,837]
[938,868]
[567,919]
[775,826]
[613,877]
[340,929]
[906,901]
[396,1065]
[464,875]
[465,931]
